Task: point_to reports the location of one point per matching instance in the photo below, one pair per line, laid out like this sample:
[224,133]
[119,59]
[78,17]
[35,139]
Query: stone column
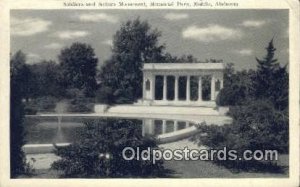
[153,87]
[199,88]
[164,127]
[148,126]
[165,88]
[176,88]
[212,88]
[221,84]
[144,86]
[188,88]
[175,125]
[186,124]
[151,128]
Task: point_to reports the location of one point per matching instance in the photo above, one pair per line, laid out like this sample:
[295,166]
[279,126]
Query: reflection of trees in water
[46,129]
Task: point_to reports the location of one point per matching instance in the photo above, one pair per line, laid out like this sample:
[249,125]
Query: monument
[184,71]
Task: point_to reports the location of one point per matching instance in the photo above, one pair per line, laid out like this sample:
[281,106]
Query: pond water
[57,129]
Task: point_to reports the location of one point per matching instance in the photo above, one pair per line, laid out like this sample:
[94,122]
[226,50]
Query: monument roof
[183,66]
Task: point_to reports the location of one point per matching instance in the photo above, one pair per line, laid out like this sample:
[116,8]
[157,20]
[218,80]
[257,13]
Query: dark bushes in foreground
[257,125]
[98,152]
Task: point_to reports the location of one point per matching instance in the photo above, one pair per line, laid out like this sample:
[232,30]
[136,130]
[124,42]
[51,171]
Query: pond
[58,129]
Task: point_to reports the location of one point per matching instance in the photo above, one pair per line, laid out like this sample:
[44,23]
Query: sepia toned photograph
[151,93]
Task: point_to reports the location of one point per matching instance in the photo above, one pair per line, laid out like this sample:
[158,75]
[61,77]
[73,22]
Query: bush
[30,111]
[86,157]
[81,104]
[256,126]
[78,101]
[262,124]
[230,96]
[41,104]
[104,95]
[72,93]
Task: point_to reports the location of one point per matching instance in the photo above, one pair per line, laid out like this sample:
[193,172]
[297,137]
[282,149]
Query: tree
[271,80]
[134,44]
[45,79]
[24,74]
[168,58]
[260,111]
[17,157]
[78,64]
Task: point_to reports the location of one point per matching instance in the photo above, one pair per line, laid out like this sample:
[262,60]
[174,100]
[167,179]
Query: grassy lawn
[208,169]
[193,169]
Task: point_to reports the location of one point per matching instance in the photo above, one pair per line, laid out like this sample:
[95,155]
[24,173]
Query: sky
[235,36]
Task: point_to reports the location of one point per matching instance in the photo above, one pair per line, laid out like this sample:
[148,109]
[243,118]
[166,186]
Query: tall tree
[45,78]
[78,64]
[271,80]
[134,44]
[17,157]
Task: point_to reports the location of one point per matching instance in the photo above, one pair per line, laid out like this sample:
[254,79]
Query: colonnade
[188,87]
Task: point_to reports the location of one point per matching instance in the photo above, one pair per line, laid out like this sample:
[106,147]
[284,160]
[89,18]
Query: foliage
[238,87]
[104,95]
[78,64]
[41,104]
[134,43]
[86,157]
[168,58]
[80,103]
[17,75]
[45,79]
[257,125]
[259,108]
[271,80]
[233,95]
[206,88]
[22,74]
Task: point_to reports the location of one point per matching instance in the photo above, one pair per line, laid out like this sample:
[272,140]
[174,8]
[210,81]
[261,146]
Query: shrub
[256,126]
[81,104]
[83,157]
[230,96]
[72,93]
[30,111]
[78,101]
[41,104]
[104,95]
[262,124]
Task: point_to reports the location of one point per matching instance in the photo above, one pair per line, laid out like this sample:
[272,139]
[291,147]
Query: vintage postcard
[149,93]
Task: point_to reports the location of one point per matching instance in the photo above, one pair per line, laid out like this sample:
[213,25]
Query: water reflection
[160,126]
[58,129]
